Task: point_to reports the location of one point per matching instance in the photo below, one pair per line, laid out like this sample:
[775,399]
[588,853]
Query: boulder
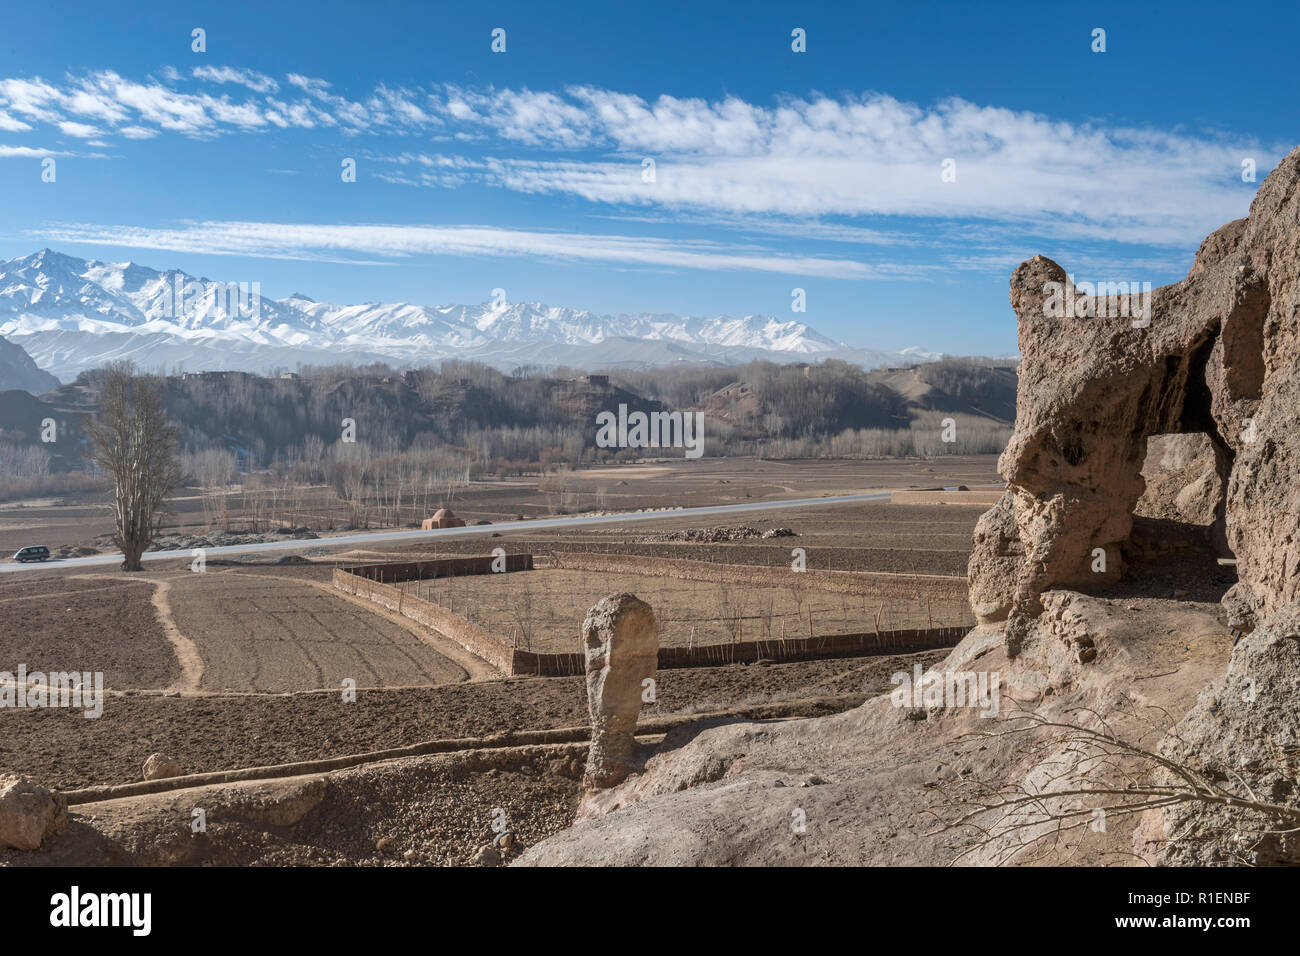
[29,813]
[487,855]
[159,767]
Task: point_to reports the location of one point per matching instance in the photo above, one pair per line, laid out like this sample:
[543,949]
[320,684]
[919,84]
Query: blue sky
[522,170]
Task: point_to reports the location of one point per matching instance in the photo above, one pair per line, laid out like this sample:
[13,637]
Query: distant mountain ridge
[17,370]
[72,314]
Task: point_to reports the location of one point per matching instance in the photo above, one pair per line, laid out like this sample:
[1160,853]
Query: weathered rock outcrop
[998,554]
[1183,480]
[1246,725]
[622,644]
[863,787]
[29,813]
[1218,354]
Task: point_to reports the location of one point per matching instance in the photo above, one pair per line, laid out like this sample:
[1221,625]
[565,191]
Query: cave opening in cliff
[1179,523]
[1178,541]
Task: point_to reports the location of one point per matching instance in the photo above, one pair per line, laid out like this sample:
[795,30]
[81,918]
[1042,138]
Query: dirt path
[51,594]
[187,652]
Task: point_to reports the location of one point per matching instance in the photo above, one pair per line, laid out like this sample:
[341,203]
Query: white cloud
[317,87]
[30,97]
[95,105]
[9,152]
[868,156]
[257,82]
[79,130]
[822,164]
[298,241]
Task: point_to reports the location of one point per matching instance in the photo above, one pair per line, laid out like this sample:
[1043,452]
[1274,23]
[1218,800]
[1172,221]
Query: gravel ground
[436,812]
[423,811]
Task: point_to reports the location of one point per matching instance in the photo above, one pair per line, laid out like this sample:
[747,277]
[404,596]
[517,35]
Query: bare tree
[731,613]
[133,442]
[525,620]
[213,469]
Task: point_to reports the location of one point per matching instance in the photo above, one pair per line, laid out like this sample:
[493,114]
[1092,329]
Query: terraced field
[262,633]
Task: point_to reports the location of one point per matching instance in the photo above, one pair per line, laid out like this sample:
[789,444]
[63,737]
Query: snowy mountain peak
[72,314]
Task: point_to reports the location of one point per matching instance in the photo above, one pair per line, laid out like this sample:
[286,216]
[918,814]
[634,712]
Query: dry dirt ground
[542,610]
[257,631]
[719,793]
[431,811]
[225,732]
[257,626]
[59,623]
[885,778]
[870,536]
[418,811]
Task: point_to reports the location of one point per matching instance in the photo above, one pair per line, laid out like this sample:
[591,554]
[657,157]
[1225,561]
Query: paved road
[410,537]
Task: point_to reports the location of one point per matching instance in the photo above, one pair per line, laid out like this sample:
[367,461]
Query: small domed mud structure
[442,518]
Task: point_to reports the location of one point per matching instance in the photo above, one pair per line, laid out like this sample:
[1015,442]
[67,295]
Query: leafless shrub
[1086,771]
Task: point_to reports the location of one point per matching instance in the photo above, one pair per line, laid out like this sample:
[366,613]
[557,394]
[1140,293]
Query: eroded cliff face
[1215,354]
[1101,394]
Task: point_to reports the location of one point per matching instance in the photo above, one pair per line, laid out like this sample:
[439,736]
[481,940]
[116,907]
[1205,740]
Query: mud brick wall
[807,649]
[493,649]
[396,572]
[369,581]
[747,652]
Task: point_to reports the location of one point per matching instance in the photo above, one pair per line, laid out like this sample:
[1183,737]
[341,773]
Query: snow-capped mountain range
[72,314]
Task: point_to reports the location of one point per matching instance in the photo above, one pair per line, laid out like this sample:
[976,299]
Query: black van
[35,552]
